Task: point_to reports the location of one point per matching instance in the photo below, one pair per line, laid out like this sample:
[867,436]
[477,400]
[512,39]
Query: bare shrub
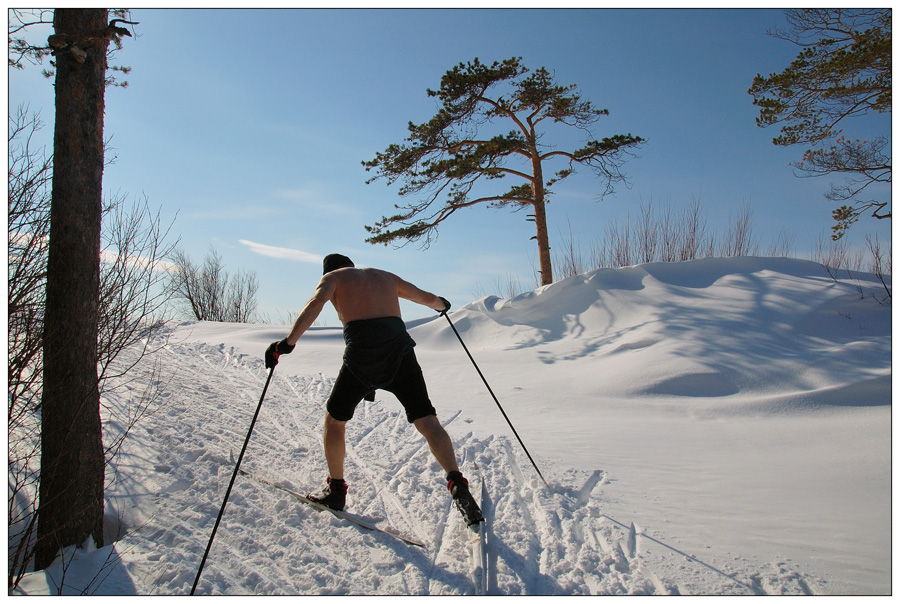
[132,303]
[504,288]
[692,234]
[782,245]
[209,293]
[28,220]
[880,265]
[571,261]
[837,254]
[134,296]
[739,240]
[647,234]
[616,249]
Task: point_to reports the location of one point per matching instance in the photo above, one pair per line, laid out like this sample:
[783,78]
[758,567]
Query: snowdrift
[720,426]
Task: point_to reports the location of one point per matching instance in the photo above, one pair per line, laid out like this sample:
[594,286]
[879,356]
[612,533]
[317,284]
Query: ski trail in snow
[541,541]
[444,546]
[487,510]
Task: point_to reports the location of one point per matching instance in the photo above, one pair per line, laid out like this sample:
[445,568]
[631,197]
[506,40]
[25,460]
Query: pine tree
[842,71]
[447,158]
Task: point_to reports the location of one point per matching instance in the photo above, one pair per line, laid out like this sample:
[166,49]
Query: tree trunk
[543,241]
[72,464]
[540,215]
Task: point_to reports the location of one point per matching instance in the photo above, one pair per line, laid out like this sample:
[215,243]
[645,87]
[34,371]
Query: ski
[478,541]
[357,520]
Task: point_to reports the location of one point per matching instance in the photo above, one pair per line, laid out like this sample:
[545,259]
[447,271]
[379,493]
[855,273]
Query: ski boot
[465,503]
[333,496]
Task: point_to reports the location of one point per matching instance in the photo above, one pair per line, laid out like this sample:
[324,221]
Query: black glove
[446,305]
[275,350]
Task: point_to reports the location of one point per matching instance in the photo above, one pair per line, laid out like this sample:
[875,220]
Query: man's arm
[410,292]
[324,292]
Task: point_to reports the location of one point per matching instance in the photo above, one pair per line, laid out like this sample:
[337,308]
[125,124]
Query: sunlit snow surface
[736,412]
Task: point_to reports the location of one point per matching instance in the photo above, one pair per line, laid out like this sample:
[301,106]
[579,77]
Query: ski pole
[453,327]
[237,467]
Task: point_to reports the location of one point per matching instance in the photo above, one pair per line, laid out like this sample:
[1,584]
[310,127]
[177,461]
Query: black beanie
[335,261]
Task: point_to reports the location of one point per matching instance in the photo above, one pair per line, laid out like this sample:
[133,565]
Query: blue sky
[248,129]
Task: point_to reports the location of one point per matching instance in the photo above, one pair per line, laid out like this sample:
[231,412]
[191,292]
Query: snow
[720,426]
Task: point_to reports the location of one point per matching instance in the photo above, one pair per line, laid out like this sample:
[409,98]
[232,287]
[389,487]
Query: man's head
[333,262]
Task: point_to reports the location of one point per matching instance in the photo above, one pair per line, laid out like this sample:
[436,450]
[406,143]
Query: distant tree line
[665,234]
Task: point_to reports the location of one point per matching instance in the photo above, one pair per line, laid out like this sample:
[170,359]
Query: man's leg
[439,442]
[334,495]
[442,448]
[409,388]
[335,447]
[345,395]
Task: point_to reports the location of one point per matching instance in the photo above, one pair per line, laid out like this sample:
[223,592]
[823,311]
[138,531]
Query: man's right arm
[324,292]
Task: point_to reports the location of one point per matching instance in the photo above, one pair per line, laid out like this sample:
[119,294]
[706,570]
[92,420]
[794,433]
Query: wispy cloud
[281,252]
[157,265]
[317,197]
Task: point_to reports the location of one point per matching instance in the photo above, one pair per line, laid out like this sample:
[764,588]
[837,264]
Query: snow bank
[720,426]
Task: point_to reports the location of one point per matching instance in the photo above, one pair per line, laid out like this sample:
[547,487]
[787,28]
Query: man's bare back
[360,293]
[369,293]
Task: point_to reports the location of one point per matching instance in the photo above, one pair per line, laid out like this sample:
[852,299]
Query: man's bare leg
[335,447]
[442,448]
[439,442]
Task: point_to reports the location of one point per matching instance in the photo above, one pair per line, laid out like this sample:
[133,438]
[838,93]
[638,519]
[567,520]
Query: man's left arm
[410,292]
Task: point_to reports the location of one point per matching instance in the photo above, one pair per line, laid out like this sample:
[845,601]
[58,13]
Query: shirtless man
[378,355]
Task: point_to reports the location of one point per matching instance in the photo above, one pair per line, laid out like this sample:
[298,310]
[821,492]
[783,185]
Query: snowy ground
[736,412]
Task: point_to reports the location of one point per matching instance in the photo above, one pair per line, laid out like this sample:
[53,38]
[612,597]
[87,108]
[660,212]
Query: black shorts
[408,386]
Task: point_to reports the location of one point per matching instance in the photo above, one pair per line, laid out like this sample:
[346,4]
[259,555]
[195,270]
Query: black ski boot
[334,496]
[465,503]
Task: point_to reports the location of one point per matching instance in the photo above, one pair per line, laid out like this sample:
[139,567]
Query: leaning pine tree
[443,160]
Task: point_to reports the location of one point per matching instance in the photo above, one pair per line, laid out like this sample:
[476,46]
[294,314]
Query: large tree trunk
[72,464]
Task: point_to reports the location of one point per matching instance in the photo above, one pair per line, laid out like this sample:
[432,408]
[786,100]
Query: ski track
[539,540]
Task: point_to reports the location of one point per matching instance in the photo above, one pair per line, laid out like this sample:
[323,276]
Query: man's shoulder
[343,273]
[379,272]
[351,275]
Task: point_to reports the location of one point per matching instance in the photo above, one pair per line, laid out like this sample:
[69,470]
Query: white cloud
[281,252]
[111,256]
[317,198]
